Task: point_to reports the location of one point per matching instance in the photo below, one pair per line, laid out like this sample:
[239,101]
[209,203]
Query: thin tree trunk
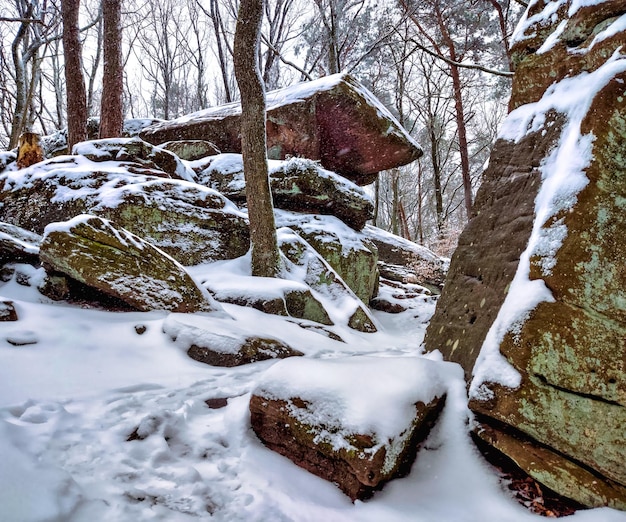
[75,85]
[111,110]
[265,255]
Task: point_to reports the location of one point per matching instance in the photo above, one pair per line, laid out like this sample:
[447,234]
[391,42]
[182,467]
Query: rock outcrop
[115,262]
[321,277]
[297,184]
[534,304]
[334,120]
[309,411]
[193,224]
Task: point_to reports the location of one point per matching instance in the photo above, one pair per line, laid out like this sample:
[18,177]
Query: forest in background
[441,66]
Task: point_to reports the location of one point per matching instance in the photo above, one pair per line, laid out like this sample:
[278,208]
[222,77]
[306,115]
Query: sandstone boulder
[534,303]
[320,277]
[193,224]
[297,184]
[334,120]
[340,419]
[404,259]
[206,342]
[136,155]
[351,255]
[191,149]
[92,251]
[18,245]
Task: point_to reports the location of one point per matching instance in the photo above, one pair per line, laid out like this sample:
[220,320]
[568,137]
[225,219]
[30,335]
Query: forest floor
[76,383]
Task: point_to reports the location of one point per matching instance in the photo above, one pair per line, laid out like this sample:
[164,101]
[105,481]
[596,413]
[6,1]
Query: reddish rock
[333,119]
[302,409]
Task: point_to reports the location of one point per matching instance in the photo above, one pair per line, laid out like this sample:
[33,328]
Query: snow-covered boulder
[18,245]
[92,251]
[534,306]
[304,263]
[229,346]
[138,156]
[333,119]
[405,261]
[193,224]
[354,421]
[351,255]
[297,184]
[7,311]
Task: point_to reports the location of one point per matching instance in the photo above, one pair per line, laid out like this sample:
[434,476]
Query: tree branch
[285,61]
[475,66]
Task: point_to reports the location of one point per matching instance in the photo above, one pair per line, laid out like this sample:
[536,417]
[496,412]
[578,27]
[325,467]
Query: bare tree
[76,94]
[265,254]
[111,108]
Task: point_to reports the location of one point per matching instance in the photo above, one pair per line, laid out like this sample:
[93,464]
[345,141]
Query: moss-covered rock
[193,224]
[191,149]
[321,277]
[92,251]
[297,184]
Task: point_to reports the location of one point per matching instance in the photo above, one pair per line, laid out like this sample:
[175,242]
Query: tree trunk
[265,255]
[111,111]
[76,95]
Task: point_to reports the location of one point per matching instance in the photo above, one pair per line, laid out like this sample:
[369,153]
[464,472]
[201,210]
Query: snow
[70,402]
[563,177]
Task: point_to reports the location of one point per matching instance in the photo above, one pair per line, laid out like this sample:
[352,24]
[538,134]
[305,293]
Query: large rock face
[92,251]
[539,274]
[333,119]
[193,224]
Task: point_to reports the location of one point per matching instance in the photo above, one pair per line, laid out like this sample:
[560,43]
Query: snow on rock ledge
[354,421]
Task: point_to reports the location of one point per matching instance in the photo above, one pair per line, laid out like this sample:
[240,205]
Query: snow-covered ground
[88,382]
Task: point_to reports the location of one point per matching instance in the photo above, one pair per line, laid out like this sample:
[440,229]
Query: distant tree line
[441,66]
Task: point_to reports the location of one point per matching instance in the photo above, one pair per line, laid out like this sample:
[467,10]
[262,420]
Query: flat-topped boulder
[334,120]
[192,223]
[92,251]
[354,421]
[297,184]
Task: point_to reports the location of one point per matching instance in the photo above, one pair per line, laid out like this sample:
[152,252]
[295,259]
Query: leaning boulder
[301,258]
[193,224]
[208,341]
[299,185]
[534,304]
[92,251]
[342,420]
[334,120]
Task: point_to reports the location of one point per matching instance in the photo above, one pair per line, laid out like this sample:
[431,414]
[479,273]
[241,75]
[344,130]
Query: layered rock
[339,419]
[534,302]
[193,224]
[321,277]
[297,184]
[115,262]
[334,120]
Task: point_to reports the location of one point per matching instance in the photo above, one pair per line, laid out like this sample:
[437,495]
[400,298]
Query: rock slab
[92,251]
